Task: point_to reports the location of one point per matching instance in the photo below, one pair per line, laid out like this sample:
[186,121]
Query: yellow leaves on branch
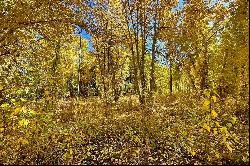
[229,147]
[207,127]
[217,124]
[18,110]
[191,151]
[233,120]
[215,131]
[214,98]
[213,114]
[4,105]
[217,155]
[23,122]
[224,140]
[23,141]
[207,93]
[223,130]
[206,105]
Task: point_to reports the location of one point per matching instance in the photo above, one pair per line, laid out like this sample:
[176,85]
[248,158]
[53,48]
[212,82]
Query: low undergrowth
[172,130]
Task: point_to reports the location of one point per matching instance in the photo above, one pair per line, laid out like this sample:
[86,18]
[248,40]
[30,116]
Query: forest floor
[171,130]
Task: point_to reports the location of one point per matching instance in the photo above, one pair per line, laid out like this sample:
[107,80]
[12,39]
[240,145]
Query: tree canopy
[165,82]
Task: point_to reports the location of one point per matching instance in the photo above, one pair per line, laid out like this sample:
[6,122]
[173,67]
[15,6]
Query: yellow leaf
[229,147]
[137,139]
[23,141]
[217,155]
[244,158]
[224,139]
[217,124]
[214,98]
[70,151]
[225,114]
[1,87]
[207,93]
[215,131]
[223,130]
[233,119]
[1,130]
[5,105]
[32,112]
[193,153]
[23,122]
[184,133]
[23,100]
[23,109]
[46,92]
[229,125]
[16,111]
[214,114]
[205,126]
[206,104]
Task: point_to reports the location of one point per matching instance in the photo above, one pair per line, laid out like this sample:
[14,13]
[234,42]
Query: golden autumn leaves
[212,125]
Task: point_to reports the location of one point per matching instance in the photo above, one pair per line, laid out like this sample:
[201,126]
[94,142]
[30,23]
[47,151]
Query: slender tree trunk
[139,60]
[134,66]
[152,81]
[191,79]
[169,58]
[131,47]
[155,30]
[170,77]
[79,66]
[189,72]
[143,76]
[103,76]
[204,72]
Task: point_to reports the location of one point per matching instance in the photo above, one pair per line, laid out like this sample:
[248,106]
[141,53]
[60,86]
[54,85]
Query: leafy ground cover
[172,130]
